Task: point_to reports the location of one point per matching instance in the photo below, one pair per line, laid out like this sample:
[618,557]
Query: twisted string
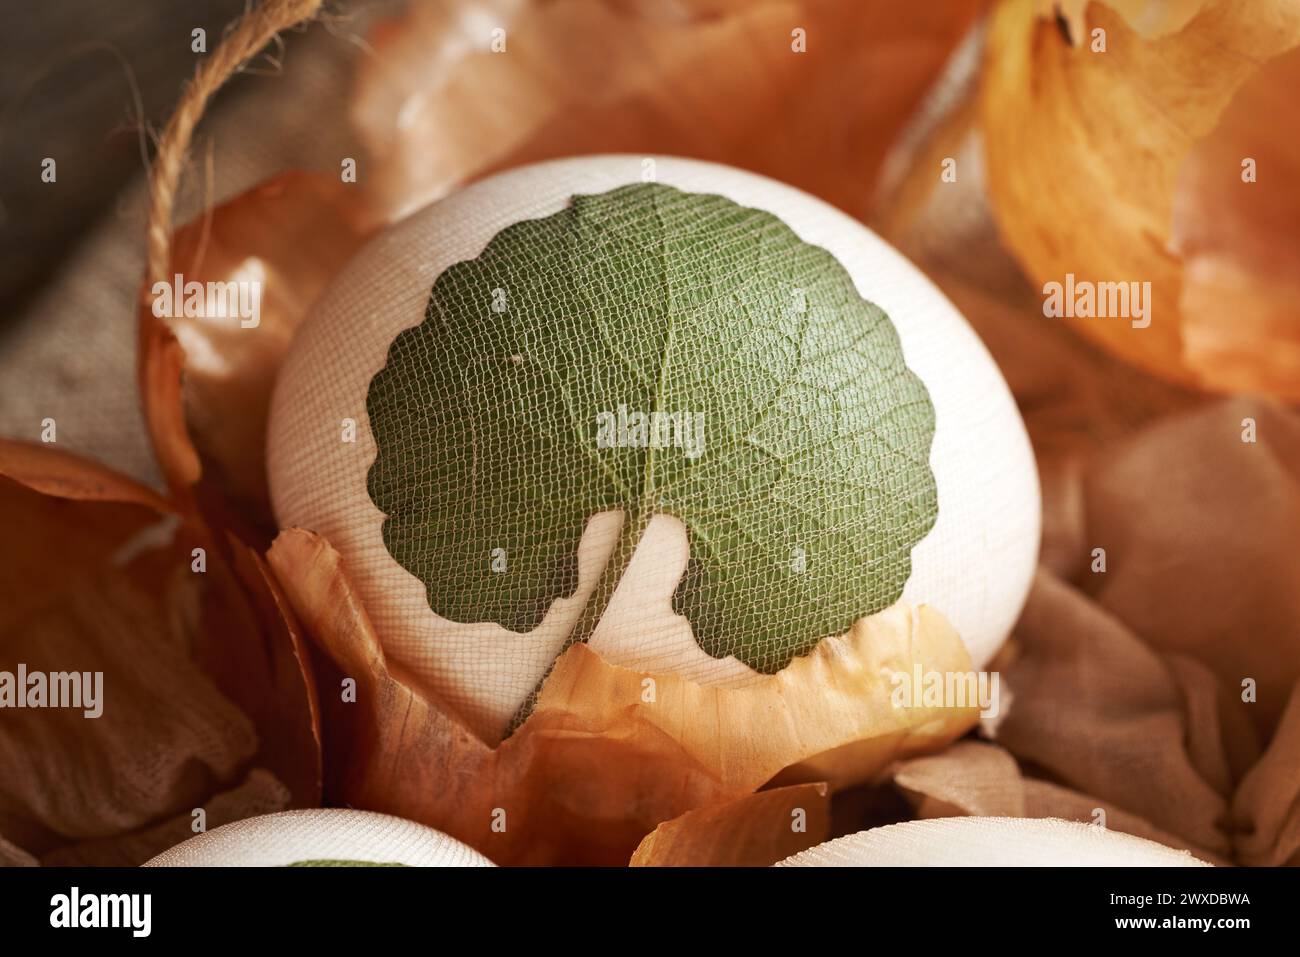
[258,28]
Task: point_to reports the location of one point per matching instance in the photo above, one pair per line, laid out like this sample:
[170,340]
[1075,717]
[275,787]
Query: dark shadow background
[66,70]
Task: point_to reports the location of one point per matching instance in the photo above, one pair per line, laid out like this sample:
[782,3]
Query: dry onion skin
[760,84]
[394,747]
[753,831]
[991,842]
[1119,166]
[1238,242]
[204,705]
[206,379]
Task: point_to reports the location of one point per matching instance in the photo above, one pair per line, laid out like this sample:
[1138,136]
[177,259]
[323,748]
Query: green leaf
[342,863]
[802,497]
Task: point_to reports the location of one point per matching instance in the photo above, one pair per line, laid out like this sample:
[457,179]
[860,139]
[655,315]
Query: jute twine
[251,34]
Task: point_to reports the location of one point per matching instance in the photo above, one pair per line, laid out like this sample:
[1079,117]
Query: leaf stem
[629,536]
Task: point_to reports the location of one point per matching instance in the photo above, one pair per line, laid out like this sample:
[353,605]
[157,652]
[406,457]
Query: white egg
[974,565]
[321,834]
[991,842]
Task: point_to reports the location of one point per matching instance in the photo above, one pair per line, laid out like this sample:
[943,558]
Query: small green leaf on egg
[648,350]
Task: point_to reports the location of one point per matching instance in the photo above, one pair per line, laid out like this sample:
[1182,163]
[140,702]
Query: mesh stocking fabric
[702,422]
[652,351]
[321,835]
[991,842]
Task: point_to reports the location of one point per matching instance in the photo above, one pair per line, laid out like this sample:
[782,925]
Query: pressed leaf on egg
[773,405]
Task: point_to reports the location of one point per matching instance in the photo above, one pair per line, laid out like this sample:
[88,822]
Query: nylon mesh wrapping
[321,834]
[991,842]
[815,455]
